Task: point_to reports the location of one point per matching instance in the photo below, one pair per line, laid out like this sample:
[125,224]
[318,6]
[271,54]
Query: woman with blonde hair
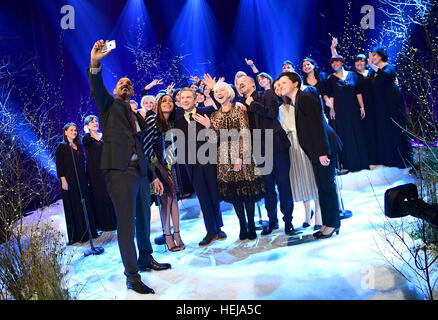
[238,182]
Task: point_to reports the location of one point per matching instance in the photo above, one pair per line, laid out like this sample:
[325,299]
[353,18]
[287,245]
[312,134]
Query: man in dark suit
[126,171]
[203,175]
[320,143]
[262,109]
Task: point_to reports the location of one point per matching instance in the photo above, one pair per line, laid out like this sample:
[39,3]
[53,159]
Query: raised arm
[333,47]
[98,90]
[210,83]
[156,82]
[251,64]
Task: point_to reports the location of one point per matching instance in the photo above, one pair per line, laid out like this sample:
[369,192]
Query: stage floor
[273,267]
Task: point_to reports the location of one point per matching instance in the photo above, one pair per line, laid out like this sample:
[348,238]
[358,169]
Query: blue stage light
[197,35]
[26,139]
[269,32]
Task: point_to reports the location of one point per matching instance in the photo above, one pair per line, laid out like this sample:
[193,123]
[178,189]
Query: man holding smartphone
[126,171]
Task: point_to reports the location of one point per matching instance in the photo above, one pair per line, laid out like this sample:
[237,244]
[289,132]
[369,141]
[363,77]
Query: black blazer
[119,140]
[315,136]
[263,114]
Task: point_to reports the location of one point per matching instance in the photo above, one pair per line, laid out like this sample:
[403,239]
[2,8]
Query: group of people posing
[138,147]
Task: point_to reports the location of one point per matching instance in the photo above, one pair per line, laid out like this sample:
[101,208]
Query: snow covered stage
[347,266]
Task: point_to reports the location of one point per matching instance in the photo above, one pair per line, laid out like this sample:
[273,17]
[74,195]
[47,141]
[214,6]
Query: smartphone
[110,45]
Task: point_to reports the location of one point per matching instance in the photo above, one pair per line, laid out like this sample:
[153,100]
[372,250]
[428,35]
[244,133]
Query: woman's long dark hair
[317,70]
[162,124]
[64,137]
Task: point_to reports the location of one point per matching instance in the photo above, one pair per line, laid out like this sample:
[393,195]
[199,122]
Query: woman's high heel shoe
[175,248]
[323,236]
[305,224]
[181,246]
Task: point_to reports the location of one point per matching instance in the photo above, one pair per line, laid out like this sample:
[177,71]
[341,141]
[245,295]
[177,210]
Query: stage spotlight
[403,201]
[272,32]
[197,36]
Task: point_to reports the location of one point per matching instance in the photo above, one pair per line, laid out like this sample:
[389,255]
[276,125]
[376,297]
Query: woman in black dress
[169,174]
[366,88]
[70,150]
[393,145]
[348,111]
[315,77]
[104,215]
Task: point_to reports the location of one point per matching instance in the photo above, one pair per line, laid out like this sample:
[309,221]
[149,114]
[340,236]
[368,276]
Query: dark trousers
[204,180]
[280,177]
[129,192]
[325,178]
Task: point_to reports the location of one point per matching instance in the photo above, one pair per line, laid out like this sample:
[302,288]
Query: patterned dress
[247,184]
[302,179]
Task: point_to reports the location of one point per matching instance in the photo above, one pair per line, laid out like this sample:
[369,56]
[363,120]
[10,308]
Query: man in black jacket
[262,109]
[126,171]
[203,175]
[320,143]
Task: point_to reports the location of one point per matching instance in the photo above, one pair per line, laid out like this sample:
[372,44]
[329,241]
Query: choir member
[70,167]
[348,111]
[92,141]
[393,145]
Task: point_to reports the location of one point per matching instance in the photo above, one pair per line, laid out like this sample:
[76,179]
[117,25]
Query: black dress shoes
[221,235]
[139,287]
[154,265]
[243,235]
[269,228]
[209,238]
[289,229]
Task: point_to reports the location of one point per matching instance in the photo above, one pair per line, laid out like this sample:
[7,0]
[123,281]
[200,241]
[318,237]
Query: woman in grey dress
[302,179]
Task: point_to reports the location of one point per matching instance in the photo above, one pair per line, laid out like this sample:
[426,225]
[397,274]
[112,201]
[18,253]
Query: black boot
[252,235]
[240,212]
[243,233]
[250,208]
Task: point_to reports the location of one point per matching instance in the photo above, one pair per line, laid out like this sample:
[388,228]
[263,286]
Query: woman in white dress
[301,172]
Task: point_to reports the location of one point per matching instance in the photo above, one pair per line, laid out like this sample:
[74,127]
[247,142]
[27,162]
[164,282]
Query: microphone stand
[93,250]
[343,214]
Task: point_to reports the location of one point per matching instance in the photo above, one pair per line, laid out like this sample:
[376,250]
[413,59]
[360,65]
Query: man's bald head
[246,85]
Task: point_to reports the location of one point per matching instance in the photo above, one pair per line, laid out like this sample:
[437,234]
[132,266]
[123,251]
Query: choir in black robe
[74,215]
[348,123]
[393,145]
[104,214]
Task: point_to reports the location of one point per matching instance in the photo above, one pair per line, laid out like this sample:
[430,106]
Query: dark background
[213,36]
